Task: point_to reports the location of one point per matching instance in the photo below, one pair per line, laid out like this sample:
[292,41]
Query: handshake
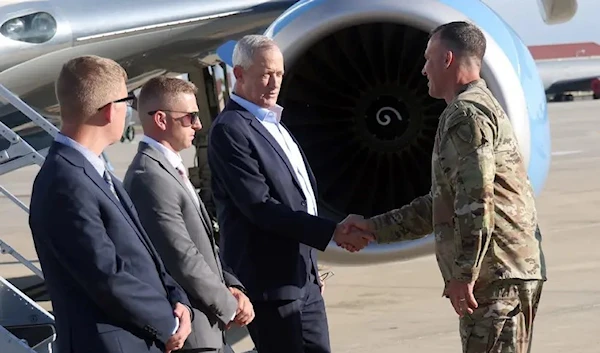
[354,233]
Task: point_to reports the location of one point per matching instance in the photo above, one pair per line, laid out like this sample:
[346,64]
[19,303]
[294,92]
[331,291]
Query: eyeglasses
[326,275]
[189,119]
[129,100]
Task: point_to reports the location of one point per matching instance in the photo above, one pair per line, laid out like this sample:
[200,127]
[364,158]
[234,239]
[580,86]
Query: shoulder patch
[465,133]
[463,111]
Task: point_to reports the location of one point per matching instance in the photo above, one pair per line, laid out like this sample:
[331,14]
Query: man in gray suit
[175,217]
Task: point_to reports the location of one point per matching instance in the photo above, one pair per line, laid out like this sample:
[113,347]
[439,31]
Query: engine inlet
[359,106]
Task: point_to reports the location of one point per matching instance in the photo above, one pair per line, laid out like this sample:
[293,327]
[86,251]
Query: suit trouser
[291,326]
[503,320]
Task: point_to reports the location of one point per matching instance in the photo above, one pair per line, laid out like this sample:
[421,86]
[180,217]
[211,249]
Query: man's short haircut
[85,84]
[246,48]
[464,38]
[162,88]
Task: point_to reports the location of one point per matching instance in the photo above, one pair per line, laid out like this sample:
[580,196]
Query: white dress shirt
[176,161]
[270,119]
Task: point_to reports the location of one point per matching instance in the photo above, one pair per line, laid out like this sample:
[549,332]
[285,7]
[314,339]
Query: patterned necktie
[109,181]
[181,169]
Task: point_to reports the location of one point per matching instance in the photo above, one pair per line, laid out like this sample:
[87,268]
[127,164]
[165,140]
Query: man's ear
[238,73]
[448,59]
[160,120]
[107,113]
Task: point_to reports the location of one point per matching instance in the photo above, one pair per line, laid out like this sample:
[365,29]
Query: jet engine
[357,102]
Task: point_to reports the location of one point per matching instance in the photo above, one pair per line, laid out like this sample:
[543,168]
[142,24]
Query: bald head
[86,84]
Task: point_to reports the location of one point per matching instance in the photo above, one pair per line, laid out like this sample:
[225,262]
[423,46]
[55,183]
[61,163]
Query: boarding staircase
[25,327]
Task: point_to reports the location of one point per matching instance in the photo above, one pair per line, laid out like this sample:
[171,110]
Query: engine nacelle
[356,101]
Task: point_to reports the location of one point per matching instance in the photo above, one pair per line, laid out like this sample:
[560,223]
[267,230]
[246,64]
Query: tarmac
[398,307]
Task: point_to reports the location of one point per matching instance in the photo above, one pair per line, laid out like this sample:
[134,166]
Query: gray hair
[246,48]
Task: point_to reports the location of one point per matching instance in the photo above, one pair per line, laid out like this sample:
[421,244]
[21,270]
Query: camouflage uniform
[482,212]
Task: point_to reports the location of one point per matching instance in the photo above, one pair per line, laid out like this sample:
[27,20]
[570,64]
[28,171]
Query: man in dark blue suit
[109,289]
[265,195]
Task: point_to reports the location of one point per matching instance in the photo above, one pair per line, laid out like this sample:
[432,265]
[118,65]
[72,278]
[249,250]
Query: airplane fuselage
[37,37]
[571,71]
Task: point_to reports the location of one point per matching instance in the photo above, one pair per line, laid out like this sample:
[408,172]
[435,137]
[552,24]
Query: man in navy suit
[265,195]
[109,289]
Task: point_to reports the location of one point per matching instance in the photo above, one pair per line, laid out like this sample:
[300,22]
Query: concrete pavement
[398,307]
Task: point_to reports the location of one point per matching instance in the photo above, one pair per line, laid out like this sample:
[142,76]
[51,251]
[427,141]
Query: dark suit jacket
[183,235]
[109,289]
[267,236]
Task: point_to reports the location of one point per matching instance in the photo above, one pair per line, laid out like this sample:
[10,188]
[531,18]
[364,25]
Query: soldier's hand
[353,233]
[461,297]
[358,222]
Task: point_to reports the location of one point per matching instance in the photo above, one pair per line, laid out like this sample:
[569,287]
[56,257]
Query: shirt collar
[173,157]
[272,115]
[476,83]
[94,160]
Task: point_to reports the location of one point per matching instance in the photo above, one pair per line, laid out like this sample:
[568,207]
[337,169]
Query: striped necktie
[109,181]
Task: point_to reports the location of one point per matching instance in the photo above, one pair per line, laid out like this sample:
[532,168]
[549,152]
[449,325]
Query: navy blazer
[266,235]
[108,286]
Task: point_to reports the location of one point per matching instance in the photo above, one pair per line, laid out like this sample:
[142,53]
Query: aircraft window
[37,27]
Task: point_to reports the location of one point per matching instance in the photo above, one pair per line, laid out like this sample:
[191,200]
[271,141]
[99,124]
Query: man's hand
[245,311]
[185,328]
[461,297]
[353,233]
[359,222]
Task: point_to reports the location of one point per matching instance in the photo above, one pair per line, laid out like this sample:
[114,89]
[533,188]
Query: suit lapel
[79,160]
[76,158]
[134,217]
[209,229]
[165,165]
[206,218]
[93,174]
[256,125]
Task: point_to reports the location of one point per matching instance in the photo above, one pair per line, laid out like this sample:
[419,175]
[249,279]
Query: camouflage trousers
[503,320]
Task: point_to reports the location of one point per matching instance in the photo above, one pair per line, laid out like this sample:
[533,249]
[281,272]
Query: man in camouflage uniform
[481,206]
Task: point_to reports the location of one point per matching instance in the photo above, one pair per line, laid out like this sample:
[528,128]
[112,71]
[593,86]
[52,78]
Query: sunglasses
[189,119]
[129,100]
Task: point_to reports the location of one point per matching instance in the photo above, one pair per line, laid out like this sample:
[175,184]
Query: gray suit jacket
[183,236]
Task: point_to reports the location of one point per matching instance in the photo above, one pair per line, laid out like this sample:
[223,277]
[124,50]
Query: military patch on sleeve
[467,134]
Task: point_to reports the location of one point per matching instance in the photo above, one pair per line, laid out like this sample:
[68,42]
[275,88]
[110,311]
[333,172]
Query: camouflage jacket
[481,205]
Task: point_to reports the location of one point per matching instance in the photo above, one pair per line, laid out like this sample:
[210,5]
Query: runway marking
[566,153]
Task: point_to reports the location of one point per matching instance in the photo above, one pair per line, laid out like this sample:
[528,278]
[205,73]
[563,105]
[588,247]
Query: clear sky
[524,16]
